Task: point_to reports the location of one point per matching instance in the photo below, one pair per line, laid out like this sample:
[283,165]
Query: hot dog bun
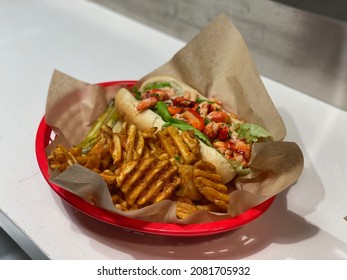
[126,104]
[126,107]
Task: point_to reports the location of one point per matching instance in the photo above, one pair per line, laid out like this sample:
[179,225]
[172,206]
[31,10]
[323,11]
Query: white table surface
[95,44]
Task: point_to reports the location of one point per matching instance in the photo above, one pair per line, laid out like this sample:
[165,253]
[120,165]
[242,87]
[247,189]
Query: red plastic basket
[43,138]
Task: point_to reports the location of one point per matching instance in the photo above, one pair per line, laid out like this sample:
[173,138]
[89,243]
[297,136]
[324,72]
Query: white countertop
[95,44]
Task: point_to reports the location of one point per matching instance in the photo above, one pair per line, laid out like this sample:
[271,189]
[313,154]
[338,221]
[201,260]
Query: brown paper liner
[218,64]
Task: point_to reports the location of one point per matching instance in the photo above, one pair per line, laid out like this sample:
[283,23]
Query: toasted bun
[126,107]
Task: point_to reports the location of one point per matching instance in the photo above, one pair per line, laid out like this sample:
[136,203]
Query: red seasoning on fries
[141,168]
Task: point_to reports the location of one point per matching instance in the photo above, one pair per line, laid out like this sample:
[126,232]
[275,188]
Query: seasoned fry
[156,188]
[140,143]
[109,177]
[101,147]
[93,162]
[187,187]
[188,156]
[185,208]
[149,133]
[146,181]
[167,143]
[208,183]
[139,173]
[218,198]
[119,201]
[168,190]
[59,159]
[130,144]
[105,161]
[116,149]
[145,167]
[205,166]
[191,141]
[125,170]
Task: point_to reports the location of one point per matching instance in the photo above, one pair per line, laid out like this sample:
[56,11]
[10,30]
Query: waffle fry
[167,143]
[187,187]
[185,208]
[191,141]
[209,184]
[138,173]
[166,183]
[187,154]
[145,167]
[147,181]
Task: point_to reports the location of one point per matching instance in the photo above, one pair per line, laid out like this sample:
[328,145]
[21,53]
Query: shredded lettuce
[161,109]
[252,132]
[239,169]
[137,93]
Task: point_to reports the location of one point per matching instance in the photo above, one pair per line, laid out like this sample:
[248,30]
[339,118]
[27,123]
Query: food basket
[44,136]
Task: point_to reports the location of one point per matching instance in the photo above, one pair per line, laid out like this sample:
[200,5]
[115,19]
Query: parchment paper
[218,64]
